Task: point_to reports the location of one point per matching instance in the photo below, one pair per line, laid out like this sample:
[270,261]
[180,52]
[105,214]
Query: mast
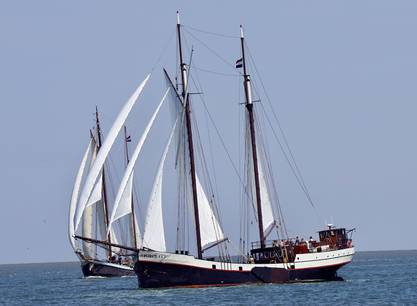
[127,139]
[249,108]
[106,215]
[186,101]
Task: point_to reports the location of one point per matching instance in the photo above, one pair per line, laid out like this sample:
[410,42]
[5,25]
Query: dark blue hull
[94,268]
[157,275]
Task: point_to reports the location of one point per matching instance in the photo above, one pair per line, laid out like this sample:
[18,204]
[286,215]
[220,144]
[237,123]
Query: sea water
[373,278]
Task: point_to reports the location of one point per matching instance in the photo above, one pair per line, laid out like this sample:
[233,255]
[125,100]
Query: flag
[128,139]
[239,63]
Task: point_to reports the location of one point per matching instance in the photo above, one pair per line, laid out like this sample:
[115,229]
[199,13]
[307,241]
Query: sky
[341,76]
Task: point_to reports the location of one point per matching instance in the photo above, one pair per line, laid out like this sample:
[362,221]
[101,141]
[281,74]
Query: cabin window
[213,266]
[240,268]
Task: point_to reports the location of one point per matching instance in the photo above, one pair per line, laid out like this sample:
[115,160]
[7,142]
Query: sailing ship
[278,260]
[91,220]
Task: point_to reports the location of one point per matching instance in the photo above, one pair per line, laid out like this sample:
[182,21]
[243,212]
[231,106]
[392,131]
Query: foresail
[105,149]
[154,233]
[75,194]
[129,169]
[124,205]
[210,229]
[97,193]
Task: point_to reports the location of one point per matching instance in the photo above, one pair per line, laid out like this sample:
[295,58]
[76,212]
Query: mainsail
[75,194]
[154,233]
[211,232]
[104,151]
[266,204]
[121,208]
[89,249]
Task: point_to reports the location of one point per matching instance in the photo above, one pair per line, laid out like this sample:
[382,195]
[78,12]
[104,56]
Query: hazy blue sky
[341,74]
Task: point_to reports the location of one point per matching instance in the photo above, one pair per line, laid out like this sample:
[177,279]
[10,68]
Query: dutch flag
[239,63]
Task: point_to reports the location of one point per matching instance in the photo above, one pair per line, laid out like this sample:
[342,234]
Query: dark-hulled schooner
[92,221]
[278,260]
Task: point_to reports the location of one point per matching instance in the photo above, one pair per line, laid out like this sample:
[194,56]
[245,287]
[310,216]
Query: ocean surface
[373,278]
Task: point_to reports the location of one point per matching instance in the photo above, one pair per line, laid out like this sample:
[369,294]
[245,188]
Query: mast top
[178,17]
[241,31]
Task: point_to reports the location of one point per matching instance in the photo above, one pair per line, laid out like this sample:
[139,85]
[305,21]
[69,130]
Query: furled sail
[117,213]
[211,232]
[104,151]
[154,234]
[75,194]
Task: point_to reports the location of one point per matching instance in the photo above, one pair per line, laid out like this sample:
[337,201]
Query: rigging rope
[216,72]
[211,33]
[232,65]
[295,169]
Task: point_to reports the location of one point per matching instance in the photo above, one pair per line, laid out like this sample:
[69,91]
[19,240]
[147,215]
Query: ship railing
[278,243]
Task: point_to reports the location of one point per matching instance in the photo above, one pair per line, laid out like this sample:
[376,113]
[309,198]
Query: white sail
[268,219]
[210,229]
[154,233]
[105,149]
[138,235]
[75,194]
[129,169]
[267,213]
[97,192]
[124,205]
[89,249]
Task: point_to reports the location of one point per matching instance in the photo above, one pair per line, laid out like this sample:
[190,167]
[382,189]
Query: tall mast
[127,139]
[106,215]
[249,108]
[186,101]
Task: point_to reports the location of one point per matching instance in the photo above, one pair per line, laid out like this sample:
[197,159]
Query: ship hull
[181,271]
[105,269]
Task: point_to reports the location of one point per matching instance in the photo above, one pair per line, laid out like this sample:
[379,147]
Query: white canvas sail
[104,151]
[267,213]
[138,235]
[97,192]
[129,169]
[210,229]
[154,233]
[75,194]
[89,249]
[124,205]
[268,219]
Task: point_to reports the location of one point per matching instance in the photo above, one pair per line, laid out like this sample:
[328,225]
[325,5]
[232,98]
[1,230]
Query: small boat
[279,260]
